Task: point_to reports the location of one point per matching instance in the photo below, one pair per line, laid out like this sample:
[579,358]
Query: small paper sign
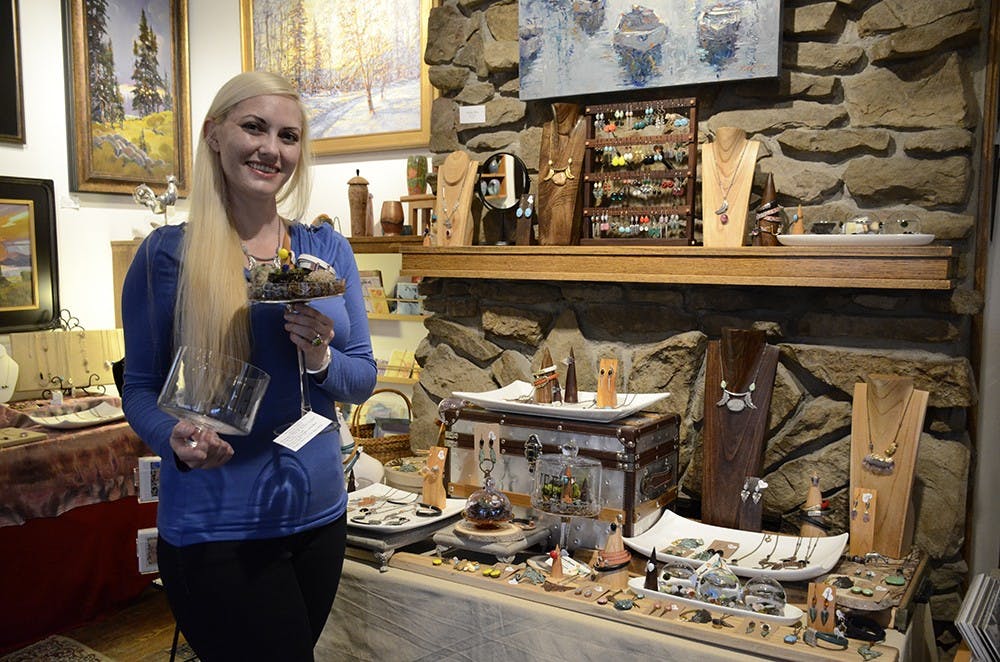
[303,431]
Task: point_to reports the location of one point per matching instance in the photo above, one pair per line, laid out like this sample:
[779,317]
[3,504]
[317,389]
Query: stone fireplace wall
[875,113]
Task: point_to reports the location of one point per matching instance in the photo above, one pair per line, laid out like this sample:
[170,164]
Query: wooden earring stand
[887,409]
[433,493]
[822,600]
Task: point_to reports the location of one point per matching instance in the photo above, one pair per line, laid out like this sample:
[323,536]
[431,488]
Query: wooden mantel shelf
[907,268]
[390,244]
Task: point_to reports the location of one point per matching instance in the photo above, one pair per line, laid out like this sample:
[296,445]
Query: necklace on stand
[882,463]
[559,176]
[737,402]
[448,210]
[726,188]
[253,260]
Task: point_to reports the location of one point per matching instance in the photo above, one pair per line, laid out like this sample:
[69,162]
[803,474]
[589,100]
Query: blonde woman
[251,534]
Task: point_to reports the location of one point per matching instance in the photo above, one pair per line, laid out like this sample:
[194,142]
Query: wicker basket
[387,448]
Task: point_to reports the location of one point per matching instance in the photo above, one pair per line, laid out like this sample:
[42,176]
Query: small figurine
[569,483]
[607,397]
[570,395]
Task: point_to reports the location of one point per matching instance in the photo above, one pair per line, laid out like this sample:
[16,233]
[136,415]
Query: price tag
[303,431]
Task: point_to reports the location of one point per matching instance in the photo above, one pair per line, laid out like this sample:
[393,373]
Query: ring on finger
[317,340]
[191,442]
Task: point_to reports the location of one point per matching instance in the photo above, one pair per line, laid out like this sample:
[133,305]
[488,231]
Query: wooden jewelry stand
[648,199]
[899,411]
[727,175]
[452,224]
[733,444]
[433,493]
[562,152]
[864,506]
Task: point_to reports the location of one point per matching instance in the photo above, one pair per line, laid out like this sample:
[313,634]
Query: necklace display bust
[452,223]
[561,160]
[728,164]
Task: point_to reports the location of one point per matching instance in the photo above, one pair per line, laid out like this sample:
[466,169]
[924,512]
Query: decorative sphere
[764,595]
[719,586]
[676,579]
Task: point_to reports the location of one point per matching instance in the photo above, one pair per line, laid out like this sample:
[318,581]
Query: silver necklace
[253,260]
[724,207]
[737,402]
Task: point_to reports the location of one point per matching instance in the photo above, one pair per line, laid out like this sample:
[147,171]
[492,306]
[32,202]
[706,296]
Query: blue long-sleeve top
[265,490]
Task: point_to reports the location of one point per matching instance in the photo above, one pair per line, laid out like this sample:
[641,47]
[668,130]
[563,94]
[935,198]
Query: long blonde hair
[211,310]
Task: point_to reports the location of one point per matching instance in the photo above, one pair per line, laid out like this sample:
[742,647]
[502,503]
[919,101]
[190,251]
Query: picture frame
[374,94]
[602,46]
[11,94]
[29,290]
[129,123]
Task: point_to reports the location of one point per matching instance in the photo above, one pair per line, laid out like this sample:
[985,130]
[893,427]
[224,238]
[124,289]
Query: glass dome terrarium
[566,484]
[488,507]
[676,579]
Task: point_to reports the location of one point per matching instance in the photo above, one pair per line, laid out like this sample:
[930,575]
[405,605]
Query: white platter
[508,400]
[380,490]
[840,239]
[102,412]
[825,554]
[791,615]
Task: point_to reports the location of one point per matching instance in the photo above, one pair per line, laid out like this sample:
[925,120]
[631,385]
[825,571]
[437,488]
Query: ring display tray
[644,614]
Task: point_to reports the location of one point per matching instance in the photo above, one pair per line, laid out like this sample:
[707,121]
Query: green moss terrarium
[567,484]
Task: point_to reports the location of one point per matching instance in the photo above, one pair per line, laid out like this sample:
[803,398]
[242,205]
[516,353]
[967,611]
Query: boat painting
[594,46]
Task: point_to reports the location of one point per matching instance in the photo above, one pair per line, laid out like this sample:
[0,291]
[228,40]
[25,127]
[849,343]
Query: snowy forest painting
[129,79]
[357,64]
[591,46]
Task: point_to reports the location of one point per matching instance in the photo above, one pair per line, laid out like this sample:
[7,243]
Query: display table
[419,611]
[68,522]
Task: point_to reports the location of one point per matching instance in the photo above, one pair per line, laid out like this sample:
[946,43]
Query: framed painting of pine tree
[127,79]
[358,65]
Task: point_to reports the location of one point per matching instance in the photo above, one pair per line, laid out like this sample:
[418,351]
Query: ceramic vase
[392,217]
[416,175]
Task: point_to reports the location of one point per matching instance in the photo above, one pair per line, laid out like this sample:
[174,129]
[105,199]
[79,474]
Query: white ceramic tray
[840,239]
[825,554]
[102,412]
[511,399]
[380,490]
[791,615]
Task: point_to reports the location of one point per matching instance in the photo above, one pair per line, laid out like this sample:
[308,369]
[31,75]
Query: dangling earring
[867,498]
[854,508]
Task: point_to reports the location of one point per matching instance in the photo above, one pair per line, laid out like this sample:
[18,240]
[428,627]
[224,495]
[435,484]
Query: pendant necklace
[559,176]
[883,463]
[737,402]
[724,207]
[448,211]
[253,260]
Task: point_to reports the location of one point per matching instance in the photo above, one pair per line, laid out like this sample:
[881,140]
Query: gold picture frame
[370,94]
[129,123]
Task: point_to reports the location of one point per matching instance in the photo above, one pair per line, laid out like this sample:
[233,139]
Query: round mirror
[503,178]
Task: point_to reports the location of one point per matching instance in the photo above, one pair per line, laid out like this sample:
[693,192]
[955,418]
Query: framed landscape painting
[29,287]
[358,66]
[592,46]
[127,74]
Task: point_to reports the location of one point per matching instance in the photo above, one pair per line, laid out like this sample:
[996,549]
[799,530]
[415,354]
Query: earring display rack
[639,173]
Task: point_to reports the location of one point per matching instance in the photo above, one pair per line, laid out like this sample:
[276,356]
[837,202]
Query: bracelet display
[863,628]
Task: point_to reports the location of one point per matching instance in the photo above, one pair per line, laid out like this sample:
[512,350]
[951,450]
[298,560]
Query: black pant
[255,599]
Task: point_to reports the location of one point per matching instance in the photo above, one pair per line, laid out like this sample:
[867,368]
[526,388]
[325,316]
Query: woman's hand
[311,331]
[199,448]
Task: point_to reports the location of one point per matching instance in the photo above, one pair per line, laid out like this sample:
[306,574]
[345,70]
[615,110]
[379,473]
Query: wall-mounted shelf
[389,244]
[397,317]
[405,381]
[907,268]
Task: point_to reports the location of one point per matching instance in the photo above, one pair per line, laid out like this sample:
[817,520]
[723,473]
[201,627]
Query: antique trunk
[638,457]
